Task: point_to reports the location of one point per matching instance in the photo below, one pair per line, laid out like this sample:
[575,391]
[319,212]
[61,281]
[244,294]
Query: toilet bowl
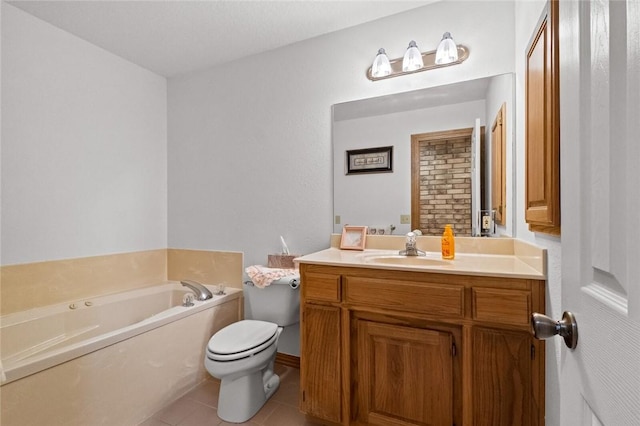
[242,356]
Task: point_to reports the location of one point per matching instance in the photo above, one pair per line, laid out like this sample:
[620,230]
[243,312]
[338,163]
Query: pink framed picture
[353,237]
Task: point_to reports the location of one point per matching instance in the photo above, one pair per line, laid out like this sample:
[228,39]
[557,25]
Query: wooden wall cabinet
[402,348]
[542,126]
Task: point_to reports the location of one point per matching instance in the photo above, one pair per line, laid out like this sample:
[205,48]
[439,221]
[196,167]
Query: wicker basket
[281,260]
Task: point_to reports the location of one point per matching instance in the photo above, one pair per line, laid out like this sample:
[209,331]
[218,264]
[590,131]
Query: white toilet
[242,354]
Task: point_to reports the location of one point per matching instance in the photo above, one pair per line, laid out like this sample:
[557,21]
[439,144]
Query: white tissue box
[281,260]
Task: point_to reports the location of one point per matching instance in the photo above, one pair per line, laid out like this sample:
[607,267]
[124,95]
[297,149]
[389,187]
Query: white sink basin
[407,260]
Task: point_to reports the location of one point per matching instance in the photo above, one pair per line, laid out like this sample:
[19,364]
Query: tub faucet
[410,247]
[202,293]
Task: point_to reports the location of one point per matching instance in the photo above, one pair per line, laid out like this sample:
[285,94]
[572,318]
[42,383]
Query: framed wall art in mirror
[370,160]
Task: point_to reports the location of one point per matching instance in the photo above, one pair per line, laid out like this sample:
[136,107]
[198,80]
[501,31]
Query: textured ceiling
[175,37]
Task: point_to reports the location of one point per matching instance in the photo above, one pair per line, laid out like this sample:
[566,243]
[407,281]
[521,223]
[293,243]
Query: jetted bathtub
[108,360]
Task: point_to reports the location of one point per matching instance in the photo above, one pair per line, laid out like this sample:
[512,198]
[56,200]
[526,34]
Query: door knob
[545,327]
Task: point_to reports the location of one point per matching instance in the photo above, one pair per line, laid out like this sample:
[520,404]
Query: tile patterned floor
[198,407]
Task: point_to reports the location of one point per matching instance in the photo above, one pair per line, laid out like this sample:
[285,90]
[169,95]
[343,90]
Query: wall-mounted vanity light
[447,53]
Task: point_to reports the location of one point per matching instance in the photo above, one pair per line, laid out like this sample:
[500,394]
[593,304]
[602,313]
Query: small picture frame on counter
[353,238]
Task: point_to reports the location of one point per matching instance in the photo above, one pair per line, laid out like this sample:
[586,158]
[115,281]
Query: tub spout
[200,290]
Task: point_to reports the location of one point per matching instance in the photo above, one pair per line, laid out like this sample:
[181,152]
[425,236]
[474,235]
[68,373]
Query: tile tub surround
[32,285]
[507,257]
[211,267]
[121,384]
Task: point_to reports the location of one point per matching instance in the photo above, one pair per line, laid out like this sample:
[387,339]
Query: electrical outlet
[337,220]
[486,222]
[405,219]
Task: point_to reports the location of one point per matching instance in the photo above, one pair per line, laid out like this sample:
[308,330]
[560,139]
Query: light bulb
[412,58]
[447,51]
[381,66]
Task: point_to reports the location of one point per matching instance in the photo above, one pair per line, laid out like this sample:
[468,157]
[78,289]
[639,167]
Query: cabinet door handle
[545,327]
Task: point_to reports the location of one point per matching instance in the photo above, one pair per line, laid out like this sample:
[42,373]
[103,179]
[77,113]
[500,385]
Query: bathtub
[109,360]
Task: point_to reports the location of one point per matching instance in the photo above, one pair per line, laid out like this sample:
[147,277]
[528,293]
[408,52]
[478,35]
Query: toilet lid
[241,336]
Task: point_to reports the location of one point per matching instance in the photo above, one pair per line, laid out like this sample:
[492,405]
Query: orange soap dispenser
[448,243]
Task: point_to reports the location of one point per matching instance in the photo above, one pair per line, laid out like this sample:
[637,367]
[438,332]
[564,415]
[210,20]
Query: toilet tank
[278,302]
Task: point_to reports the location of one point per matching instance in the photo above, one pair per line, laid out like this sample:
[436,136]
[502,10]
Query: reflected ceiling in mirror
[472,90]
[381,201]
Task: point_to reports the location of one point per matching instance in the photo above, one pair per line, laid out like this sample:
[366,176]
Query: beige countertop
[499,257]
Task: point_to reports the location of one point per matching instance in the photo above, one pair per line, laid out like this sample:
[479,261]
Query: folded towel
[263,276]
[3,377]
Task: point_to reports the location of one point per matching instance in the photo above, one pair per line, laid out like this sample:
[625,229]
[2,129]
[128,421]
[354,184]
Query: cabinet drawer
[406,295]
[502,306]
[323,287]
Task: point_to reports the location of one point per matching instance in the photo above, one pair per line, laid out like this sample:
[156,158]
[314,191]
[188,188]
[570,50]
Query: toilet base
[241,398]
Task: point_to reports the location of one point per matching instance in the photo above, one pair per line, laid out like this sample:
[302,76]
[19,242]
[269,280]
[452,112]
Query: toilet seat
[241,339]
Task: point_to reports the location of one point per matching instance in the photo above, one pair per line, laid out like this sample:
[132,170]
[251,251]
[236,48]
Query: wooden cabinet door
[542,127]
[404,375]
[320,372]
[502,379]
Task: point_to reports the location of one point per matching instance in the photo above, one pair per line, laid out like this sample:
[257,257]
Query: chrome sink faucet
[410,247]
[202,293]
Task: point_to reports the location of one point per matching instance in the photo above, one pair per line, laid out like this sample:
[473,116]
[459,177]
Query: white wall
[84,147]
[250,142]
[527,15]
[378,200]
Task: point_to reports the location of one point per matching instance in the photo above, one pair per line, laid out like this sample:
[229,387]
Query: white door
[475,179]
[600,190]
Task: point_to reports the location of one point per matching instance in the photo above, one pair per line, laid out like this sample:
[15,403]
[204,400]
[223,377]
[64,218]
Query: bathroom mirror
[382,201]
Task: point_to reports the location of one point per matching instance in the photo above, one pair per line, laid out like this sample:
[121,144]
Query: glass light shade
[447,51]
[381,66]
[412,58]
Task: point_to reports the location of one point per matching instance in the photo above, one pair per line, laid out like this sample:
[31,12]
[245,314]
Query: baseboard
[288,360]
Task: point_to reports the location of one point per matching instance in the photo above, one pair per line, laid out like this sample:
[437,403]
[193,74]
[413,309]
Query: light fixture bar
[429,59]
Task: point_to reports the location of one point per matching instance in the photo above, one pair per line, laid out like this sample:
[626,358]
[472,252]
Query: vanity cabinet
[405,373]
[321,336]
[389,347]
[322,393]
